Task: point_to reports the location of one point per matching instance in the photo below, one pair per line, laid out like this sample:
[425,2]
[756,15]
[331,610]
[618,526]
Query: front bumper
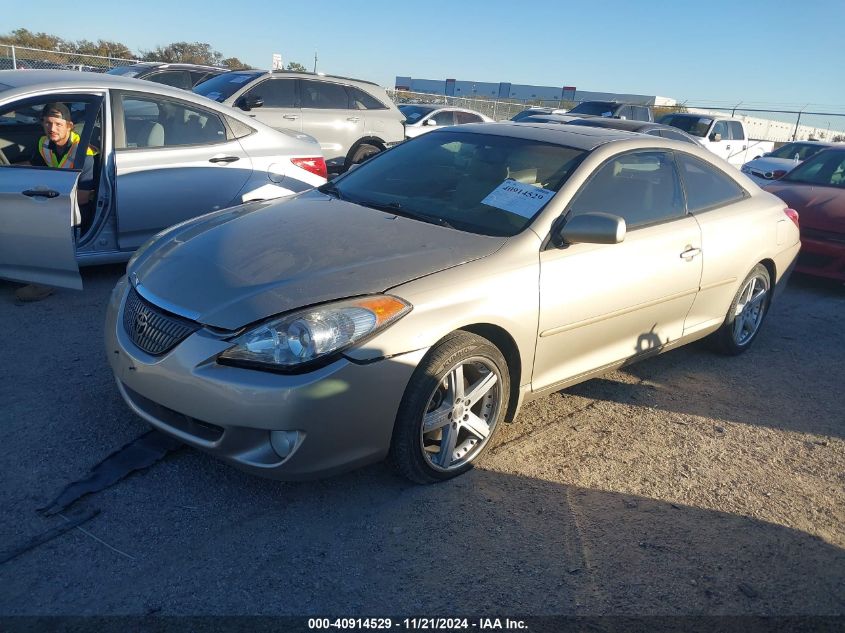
[344,412]
[823,257]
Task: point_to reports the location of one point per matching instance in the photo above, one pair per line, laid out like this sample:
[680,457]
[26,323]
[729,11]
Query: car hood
[237,266]
[761,166]
[821,208]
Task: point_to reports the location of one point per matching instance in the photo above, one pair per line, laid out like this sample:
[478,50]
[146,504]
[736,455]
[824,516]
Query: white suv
[351,119]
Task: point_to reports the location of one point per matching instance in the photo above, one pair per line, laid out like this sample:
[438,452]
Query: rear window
[595,108]
[223,86]
[695,125]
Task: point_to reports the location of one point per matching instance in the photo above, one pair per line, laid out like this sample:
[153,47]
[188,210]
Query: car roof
[620,124]
[306,74]
[579,137]
[24,81]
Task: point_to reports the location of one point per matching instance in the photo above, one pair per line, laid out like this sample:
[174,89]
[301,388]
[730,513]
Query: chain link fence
[759,127]
[499,110]
[22,58]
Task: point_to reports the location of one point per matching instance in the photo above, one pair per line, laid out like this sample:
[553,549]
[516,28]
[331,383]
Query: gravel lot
[688,484]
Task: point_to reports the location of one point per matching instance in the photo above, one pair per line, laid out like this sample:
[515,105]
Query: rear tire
[455,401]
[362,153]
[746,315]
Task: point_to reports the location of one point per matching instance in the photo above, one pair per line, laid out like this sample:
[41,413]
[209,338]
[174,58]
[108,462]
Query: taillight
[314,165]
[792,214]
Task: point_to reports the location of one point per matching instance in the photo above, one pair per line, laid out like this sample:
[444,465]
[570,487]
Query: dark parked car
[614,110]
[816,189]
[643,127]
[184,76]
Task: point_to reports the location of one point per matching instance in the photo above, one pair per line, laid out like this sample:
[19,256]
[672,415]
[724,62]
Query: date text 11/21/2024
[414,624]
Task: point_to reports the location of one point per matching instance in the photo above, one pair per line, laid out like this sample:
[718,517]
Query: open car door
[36,237]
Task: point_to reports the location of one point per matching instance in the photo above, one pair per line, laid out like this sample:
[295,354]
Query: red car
[816,189]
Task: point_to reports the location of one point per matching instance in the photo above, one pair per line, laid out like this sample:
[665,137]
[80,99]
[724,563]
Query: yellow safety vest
[66,162]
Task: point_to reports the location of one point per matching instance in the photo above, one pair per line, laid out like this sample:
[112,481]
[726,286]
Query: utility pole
[795,133]
[315,62]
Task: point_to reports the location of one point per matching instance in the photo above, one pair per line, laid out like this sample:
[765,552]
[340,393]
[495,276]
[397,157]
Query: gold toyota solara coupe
[408,308]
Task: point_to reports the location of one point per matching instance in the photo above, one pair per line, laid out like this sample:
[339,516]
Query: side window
[721,127]
[157,122]
[364,101]
[21,129]
[276,93]
[239,130]
[737,133]
[447,117]
[467,117]
[706,186]
[324,95]
[642,187]
[176,78]
[641,113]
[626,111]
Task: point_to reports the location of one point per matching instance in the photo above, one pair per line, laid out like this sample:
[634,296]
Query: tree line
[176,52]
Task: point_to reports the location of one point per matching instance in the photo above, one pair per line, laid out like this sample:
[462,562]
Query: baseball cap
[58,110]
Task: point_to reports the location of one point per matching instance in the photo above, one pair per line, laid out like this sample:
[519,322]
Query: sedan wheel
[452,407]
[746,314]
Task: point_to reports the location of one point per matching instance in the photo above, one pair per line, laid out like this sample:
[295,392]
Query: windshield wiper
[398,209]
[331,189]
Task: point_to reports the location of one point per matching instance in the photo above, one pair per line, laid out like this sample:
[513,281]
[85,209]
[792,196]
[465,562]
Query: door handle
[223,159]
[354,119]
[41,193]
[727,146]
[690,253]
[291,117]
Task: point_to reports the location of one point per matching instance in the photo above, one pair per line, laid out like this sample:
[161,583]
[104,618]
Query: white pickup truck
[724,136]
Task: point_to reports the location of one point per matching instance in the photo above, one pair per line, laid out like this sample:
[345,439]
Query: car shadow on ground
[368,543]
[780,369]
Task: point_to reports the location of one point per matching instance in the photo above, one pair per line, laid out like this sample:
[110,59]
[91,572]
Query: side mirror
[621,117]
[248,103]
[431,122]
[715,137]
[592,228]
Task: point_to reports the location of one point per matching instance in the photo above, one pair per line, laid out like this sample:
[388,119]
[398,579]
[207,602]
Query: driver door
[38,205]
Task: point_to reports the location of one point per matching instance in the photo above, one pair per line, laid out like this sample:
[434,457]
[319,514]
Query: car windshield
[125,71]
[596,108]
[414,113]
[826,168]
[223,86]
[801,151]
[481,183]
[695,125]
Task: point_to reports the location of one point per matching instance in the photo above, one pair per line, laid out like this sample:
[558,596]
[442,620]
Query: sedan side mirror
[431,122]
[593,228]
[715,137]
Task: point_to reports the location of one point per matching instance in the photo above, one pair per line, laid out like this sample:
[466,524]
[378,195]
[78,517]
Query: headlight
[299,339]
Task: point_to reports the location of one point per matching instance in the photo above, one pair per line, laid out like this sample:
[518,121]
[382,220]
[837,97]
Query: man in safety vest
[58,149]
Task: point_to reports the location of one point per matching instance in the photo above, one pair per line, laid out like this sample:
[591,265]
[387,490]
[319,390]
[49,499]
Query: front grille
[152,329]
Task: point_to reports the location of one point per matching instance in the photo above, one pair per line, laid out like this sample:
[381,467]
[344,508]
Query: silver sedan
[147,156]
[409,308]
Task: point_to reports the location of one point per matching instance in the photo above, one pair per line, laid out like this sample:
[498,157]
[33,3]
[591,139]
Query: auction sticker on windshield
[519,198]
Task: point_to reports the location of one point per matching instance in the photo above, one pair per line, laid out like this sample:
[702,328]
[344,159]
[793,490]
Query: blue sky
[772,53]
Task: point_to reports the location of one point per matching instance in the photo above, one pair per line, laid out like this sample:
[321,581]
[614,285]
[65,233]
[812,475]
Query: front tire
[454,403]
[746,314]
